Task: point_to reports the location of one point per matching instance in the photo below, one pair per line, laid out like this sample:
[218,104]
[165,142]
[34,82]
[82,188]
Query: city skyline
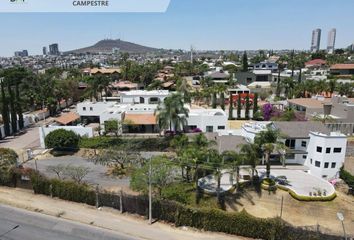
[239,26]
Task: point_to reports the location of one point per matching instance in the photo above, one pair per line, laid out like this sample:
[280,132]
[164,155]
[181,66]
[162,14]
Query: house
[308,143]
[124,86]
[143,97]
[272,66]
[340,111]
[67,119]
[327,154]
[207,120]
[342,69]
[263,75]
[245,78]
[219,77]
[316,63]
[102,71]
[136,112]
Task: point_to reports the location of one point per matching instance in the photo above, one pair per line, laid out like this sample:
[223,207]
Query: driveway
[301,182]
[97,174]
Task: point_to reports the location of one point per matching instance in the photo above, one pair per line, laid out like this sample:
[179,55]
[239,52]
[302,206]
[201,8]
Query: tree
[116,159]
[239,106]
[113,126]
[231,107]
[5,110]
[162,174]
[244,62]
[247,111]
[75,173]
[8,161]
[171,113]
[255,105]
[267,141]
[250,154]
[332,85]
[62,139]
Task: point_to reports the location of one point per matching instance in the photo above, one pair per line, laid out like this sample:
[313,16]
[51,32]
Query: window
[317,163]
[141,100]
[311,160]
[91,108]
[328,150]
[290,156]
[303,144]
[333,165]
[304,156]
[337,150]
[209,129]
[290,143]
[326,165]
[84,108]
[221,127]
[319,149]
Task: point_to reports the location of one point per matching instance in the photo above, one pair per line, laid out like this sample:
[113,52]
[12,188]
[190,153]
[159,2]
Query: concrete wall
[82,131]
[202,121]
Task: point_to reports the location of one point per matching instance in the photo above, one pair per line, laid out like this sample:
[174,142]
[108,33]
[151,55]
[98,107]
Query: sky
[205,24]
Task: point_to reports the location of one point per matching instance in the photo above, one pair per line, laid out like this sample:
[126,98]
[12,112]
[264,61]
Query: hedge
[66,190]
[238,223]
[347,177]
[308,198]
[141,144]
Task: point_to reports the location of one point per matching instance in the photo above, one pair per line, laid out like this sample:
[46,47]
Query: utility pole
[281,208]
[150,193]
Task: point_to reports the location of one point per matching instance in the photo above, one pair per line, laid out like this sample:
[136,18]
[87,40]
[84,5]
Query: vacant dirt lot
[264,204]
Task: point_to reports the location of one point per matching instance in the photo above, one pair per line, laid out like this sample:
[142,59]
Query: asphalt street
[36,226]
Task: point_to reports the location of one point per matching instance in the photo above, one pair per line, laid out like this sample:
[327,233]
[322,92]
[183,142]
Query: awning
[65,119]
[140,119]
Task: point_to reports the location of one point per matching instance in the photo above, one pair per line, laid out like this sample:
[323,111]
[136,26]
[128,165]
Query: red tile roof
[316,62]
[65,119]
[342,66]
[140,119]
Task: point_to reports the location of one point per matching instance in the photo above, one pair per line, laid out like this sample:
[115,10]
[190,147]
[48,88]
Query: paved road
[36,226]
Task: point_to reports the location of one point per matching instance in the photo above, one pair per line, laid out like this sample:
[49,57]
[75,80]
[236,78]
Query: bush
[66,190]
[139,144]
[178,192]
[347,177]
[8,160]
[62,139]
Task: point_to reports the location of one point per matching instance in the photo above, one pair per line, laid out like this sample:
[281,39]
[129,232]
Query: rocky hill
[107,46]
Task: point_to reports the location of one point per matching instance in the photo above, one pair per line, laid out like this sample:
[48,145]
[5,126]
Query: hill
[107,46]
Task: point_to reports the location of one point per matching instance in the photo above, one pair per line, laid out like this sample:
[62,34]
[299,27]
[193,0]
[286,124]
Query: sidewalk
[105,218]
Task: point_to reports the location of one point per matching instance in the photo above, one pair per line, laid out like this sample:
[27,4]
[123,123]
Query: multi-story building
[308,143]
[316,40]
[44,51]
[331,40]
[23,53]
[54,49]
[327,154]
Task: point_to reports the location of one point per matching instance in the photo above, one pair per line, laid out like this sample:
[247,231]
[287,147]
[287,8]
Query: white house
[207,120]
[302,140]
[326,154]
[143,97]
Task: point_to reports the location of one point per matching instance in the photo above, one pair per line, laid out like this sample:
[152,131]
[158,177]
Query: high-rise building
[44,51]
[316,40]
[331,40]
[23,53]
[54,49]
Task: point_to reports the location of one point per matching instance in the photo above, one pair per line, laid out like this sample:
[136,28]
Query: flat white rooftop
[146,93]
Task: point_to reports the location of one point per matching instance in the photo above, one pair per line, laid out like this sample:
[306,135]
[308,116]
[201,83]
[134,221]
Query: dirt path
[106,218]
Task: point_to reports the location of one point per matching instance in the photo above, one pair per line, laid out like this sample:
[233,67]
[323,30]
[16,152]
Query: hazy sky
[205,24]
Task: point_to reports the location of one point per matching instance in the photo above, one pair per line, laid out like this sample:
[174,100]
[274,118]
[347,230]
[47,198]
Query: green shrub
[138,144]
[178,192]
[62,139]
[347,177]
[66,190]
[8,160]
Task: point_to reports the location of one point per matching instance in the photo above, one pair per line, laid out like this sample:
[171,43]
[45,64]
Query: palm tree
[171,113]
[332,85]
[221,89]
[184,89]
[250,154]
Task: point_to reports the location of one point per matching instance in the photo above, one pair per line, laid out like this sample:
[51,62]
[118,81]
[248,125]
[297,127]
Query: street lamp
[340,217]
[150,192]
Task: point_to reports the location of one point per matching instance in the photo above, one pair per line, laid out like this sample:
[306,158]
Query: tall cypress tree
[247,113]
[5,110]
[231,107]
[239,106]
[18,105]
[12,108]
[255,105]
[245,62]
